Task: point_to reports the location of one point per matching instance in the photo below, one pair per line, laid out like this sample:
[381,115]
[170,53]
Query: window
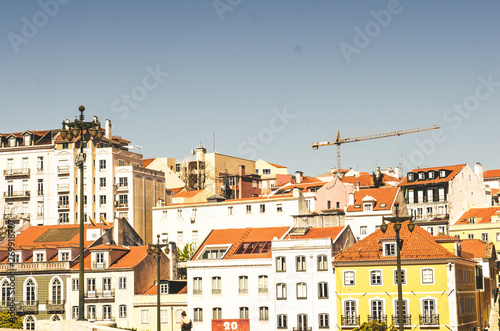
[230,211]
[322,263]
[39,257]
[300,263]
[442,173]
[498,236]
[390,249]
[266,171]
[430,229]
[396,309]
[179,213]
[164,316]
[122,283]
[281,291]
[40,186]
[91,313]
[216,285]
[279,209]
[349,278]
[431,174]
[30,323]
[411,177]
[263,313]
[403,277]
[280,264]
[91,286]
[198,314]
[244,312]
[123,200]
[74,284]
[363,230]
[123,182]
[180,237]
[376,310]
[74,312]
[302,322]
[263,284]
[214,253]
[102,200]
[376,277]
[484,237]
[249,209]
[301,291]
[322,290]
[122,311]
[324,321]
[367,207]
[106,313]
[106,284]
[282,321]
[243,284]
[427,276]
[262,208]
[40,163]
[99,257]
[145,316]
[428,308]
[64,256]
[6,293]
[56,291]
[350,313]
[197,289]
[217,313]
[30,291]
[254,184]
[470,236]
[102,165]
[102,183]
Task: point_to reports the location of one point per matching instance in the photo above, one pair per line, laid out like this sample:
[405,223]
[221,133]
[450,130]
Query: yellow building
[439,287]
[479,223]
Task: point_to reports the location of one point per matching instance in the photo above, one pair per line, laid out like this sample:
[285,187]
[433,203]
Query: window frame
[423,276]
[300,263]
[376,277]
[301,288]
[323,290]
[345,277]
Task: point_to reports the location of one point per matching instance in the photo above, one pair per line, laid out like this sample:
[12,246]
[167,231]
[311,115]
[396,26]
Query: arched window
[6,294]
[30,291]
[56,291]
[55,318]
[29,323]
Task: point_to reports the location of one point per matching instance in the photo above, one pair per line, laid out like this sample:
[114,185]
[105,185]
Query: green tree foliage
[378,180]
[10,321]
[186,253]
[375,326]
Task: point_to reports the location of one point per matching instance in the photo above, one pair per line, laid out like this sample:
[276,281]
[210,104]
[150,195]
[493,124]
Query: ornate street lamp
[397,227]
[156,250]
[85,132]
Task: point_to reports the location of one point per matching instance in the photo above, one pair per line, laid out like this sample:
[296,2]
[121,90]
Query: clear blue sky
[268,77]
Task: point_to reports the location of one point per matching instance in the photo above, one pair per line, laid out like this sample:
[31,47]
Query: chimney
[240,181]
[298,177]
[351,199]
[107,129]
[241,170]
[357,186]
[478,170]
[397,172]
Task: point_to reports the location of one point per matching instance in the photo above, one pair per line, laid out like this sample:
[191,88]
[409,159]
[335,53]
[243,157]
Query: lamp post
[155,250]
[87,131]
[397,220]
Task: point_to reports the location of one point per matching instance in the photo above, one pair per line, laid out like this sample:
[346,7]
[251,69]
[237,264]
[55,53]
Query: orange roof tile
[384,197]
[276,165]
[366,180]
[318,233]
[104,246]
[235,237]
[455,169]
[175,190]
[309,179]
[147,162]
[475,247]
[131,259]
[371,247]
[184,290]
[187,194]
[481,215]
[491,173]
[494,191]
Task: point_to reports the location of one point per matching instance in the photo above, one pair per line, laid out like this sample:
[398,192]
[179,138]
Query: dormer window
[100,260]
[27,140]
[163,288]
[390,249]
[214,253]
[12,142]
[64,256]
[367,207]
[421,176]
[411,177]
[431,174]
[39,257]
[442,173]
[472,220]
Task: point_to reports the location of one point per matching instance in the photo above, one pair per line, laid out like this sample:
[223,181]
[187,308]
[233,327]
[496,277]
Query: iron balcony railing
[429,319]
[63,170]
[377,318]
[16,194]
[55,305]
[302,328]
[29,306]
[197,291]
[349,320]
[17,172]
[406,320]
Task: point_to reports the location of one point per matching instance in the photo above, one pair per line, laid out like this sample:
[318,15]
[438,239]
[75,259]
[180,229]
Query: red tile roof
[175,190]
[455,169]
[371,247]
[187,194]
[475,247]
[481,215]
[131,259]
[494,191]
[147,162]
[318,233]
[235,237]
[491,173]
[366,180]
[383,195]
[276,165]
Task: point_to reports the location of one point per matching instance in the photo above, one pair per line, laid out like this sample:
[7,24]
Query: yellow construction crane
[339,141]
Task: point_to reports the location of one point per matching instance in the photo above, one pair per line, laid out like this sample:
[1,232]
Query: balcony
[349,320]
[62,188]
[122,205]
[29,307]
[406,320]
[16,195]
[35,266]
[377,318]
[216,291]
[429,319]
[7,306]
[55,306]
[122,187]
[263,290]
[63,170]
[17,173]
[62,205]
[302,328]
[197,291]
[99,265]
[106,293]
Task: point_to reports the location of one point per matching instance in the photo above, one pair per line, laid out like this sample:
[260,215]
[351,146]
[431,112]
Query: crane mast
[339,141]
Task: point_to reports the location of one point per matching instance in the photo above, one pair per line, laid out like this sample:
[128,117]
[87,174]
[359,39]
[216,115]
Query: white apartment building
[191,223]
[41,181]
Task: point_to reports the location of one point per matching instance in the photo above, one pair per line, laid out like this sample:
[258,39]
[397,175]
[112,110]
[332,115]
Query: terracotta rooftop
[147,162]
[366,180]
[476,248]
[384,197]
[276,165]
[491,173]
[318,233]
[187,194]
[454,170]
[235,237]
[131,259]
[480,215]
[371,247]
